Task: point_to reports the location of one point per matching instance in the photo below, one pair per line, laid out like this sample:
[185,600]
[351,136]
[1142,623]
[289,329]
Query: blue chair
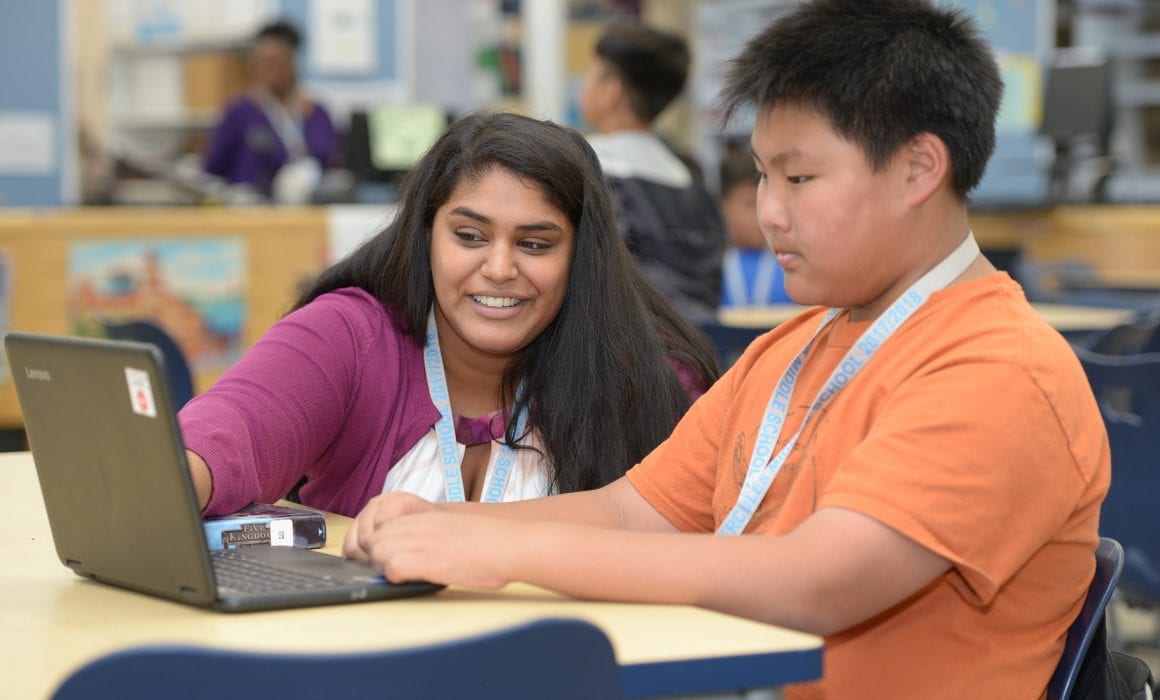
[1127,388]
[729,341]
[1089,623]
[176,367]
[550,658]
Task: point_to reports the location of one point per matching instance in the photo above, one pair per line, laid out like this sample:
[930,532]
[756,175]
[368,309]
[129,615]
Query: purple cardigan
[336,392]
[245,148]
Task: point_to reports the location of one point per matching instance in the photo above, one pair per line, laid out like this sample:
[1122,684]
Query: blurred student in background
[274,138]
[496,342]
[670,222]
[750,275]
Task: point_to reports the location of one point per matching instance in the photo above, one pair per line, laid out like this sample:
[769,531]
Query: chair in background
[550,658]
[1051,280]
[1127,388]
[1140,336]
[1077,282]
[176,367]
[1088,625]
[730,341]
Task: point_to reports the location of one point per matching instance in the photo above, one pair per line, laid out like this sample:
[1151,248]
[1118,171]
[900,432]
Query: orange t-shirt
[972,431]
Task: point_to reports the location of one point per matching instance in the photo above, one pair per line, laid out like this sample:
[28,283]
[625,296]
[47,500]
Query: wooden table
[53,621]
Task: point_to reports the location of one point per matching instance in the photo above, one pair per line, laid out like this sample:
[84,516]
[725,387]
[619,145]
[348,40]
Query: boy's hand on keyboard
[431,544]
[379,510]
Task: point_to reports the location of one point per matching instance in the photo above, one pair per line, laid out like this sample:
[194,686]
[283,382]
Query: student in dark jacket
[670,222]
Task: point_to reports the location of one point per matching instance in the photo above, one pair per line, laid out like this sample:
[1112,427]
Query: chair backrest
[1139,336]
[176,367]
[729,341]
[557,658]
[1051,280]
[1075,281]
[1128,391]
[1109,564]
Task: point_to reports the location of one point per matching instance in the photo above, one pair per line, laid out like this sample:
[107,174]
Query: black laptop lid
[109,456]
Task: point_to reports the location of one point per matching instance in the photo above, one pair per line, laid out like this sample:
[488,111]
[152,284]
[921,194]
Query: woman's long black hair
[598,385]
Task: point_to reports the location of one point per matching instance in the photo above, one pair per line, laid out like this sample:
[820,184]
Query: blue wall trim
[30,81]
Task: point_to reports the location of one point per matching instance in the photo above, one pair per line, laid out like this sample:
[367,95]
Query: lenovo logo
[40,375]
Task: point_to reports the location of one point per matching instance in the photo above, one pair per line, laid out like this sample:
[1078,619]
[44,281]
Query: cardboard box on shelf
[211,79]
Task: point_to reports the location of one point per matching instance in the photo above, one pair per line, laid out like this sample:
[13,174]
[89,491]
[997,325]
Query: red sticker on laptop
[140,392]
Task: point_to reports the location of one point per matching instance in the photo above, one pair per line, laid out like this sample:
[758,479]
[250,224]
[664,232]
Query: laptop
[121,504]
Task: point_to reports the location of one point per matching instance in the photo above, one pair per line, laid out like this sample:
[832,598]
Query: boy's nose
[772,214]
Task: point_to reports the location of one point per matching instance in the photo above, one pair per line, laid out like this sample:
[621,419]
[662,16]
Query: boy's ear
[614,93]
[928,166]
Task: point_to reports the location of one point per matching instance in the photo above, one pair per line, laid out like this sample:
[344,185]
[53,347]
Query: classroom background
[106,218]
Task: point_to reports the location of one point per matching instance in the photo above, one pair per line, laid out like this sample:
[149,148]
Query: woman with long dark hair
[495,342]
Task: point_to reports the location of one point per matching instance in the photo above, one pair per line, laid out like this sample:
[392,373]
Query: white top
[418,472]
[640,154]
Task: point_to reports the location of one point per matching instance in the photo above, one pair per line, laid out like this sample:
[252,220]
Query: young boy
[935,513]
[670,222]
[750,275]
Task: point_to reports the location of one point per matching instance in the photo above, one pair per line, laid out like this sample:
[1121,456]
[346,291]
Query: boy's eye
[798,179]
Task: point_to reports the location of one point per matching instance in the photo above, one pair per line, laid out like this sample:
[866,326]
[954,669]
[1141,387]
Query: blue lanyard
[764,277]
[762,468]
[448,450]
[289,127]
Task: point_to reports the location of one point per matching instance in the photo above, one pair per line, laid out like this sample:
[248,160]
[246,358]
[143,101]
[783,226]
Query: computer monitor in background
[1077,117]
[1077,96]
[385,142]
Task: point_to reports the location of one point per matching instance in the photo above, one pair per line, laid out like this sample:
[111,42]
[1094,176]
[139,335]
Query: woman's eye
[535,246]
[468,235]
[798,179]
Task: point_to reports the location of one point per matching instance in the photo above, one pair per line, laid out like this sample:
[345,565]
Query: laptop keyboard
[235,570]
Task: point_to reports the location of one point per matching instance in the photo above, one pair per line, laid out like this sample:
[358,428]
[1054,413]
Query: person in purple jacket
[495,342]
[273,132]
